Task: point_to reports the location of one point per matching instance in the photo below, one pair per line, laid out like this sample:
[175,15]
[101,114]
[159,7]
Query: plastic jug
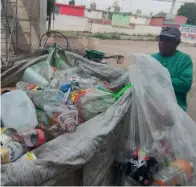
[32,77]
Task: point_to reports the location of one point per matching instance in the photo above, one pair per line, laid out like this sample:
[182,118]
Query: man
[179,64]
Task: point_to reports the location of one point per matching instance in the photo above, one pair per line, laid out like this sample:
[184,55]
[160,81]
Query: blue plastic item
[65,87]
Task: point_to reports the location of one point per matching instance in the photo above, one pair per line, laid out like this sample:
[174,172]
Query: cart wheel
[49,38]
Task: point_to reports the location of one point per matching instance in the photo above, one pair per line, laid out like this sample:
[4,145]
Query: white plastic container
[18,111]
[32,77]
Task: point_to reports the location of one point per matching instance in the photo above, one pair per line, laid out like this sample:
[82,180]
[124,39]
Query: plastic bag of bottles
[77,77]
[91,102]
[64,115]
[52,96]
[160,149]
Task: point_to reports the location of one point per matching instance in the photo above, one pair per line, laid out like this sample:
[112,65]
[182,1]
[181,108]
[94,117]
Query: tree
[50,12]
[72,2]
[188,10]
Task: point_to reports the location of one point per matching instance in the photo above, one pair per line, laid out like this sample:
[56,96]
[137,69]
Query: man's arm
[184,81]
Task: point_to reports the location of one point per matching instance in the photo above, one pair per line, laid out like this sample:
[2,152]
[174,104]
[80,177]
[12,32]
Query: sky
[146,6]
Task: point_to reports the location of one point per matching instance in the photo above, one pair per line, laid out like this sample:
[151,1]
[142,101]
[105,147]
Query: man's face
[167,45]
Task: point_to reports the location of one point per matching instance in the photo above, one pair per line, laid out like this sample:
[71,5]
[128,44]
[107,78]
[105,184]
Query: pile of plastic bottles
[46,106]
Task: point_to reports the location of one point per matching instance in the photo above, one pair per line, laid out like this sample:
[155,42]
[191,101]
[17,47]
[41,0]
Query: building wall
[180,20]
[71,10]
[137,30]
[43,15]
[70,23]
[100,21]
[139,20]
[188,33]
[31,23]
[158,22]
[93,14]
[73,23]
[120,19]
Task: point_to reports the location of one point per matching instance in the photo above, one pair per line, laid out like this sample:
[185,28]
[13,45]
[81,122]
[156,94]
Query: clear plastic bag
[161,146]
[52,96]
[18,111]
[77,77]
[44,69]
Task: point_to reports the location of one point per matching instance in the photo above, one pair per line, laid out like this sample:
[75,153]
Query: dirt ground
[127,47]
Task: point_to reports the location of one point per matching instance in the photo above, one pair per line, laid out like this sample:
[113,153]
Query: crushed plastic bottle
[11,152]
[33,137]
[64,115]
[7,135]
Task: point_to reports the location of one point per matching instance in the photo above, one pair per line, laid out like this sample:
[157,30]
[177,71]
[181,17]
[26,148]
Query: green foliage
[108,36]
[188,10]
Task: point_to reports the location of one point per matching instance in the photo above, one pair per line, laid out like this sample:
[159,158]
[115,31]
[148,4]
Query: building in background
[71,10]
[165,20]
[140,19]
[188,31]
[102,16]
[121,19]
[96,14]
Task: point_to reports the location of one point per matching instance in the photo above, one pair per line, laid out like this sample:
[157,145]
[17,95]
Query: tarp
[144,115]
[84,157]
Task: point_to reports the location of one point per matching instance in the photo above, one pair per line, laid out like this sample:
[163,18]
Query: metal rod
[172,6]
[11,41]
[6,32]
[16,26]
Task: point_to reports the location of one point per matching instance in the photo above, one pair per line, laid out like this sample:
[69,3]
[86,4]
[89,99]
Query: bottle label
[7,135]
[15,151]
[30,156]
[33,137]
[30,137]
[2,130]
[4,155]
[176,174]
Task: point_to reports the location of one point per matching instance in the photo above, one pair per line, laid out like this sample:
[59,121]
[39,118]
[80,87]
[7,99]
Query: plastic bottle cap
[41,137]
[65,87]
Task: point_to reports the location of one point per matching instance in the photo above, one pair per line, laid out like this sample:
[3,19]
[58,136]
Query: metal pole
[122,5]
[16,26]
[172,6]
[6,31]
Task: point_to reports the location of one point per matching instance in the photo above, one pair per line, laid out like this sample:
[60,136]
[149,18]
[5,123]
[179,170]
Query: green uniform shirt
[180,67]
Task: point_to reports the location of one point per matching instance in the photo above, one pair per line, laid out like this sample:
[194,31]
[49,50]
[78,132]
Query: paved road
[128,47]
